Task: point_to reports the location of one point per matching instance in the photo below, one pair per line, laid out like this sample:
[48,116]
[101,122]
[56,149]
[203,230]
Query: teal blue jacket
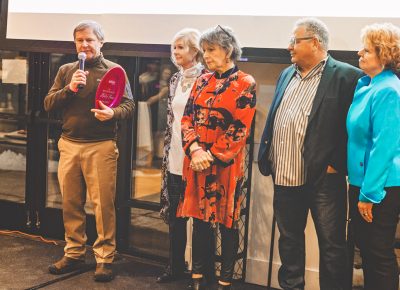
[373,126]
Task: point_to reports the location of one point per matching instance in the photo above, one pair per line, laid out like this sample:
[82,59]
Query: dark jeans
[203,250]
[376,240]
[328,204]
[177,227]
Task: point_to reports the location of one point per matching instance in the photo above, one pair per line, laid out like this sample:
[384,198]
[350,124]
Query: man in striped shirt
[304,148]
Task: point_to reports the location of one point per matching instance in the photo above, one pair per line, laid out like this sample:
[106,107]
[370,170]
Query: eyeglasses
[226,32]
[295,40]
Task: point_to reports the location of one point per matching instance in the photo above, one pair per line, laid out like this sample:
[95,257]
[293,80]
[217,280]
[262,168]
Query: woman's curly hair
[385,38]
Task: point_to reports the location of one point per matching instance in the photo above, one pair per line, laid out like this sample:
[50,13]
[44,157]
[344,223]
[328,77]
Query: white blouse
[182,93]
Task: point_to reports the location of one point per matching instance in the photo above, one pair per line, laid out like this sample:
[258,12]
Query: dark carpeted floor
[24,262]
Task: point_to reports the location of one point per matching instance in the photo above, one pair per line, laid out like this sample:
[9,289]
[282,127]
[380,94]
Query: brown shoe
[66,265]
[104,272]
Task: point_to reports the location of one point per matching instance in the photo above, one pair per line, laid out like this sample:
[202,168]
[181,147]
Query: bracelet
[195,149]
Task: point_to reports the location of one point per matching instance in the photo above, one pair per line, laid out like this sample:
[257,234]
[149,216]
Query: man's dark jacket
[326,138]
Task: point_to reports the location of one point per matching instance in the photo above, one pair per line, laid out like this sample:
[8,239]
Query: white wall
[261,212]
[260,237]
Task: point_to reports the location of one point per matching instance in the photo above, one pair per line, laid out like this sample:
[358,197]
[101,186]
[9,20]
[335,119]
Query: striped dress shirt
[290,125]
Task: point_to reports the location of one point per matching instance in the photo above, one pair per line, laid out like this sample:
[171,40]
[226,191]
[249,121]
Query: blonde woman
[186,55]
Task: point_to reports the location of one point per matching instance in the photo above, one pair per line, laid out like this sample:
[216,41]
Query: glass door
[29,155]
[13,137]
[13,133]
[148,233]
[139,228]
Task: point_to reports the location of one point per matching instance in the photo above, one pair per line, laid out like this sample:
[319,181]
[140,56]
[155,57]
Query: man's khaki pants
[88,167]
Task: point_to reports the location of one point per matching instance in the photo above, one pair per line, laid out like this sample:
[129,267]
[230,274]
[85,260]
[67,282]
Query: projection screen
[259,24]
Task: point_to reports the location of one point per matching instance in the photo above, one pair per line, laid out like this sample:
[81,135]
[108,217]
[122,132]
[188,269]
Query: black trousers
[328,204]
[177,227]
[203,250]
[376,240]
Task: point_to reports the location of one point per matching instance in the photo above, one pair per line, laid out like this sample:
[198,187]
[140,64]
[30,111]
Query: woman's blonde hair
[385,39]
[191,38]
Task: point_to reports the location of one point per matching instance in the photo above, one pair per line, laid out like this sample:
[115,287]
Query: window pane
[12,160]
[13,96]
[13,89]
[148,233]
[151,123]
[53,155]
[54,198]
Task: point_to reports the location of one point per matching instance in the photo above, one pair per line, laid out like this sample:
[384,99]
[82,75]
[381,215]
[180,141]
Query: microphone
[81,58]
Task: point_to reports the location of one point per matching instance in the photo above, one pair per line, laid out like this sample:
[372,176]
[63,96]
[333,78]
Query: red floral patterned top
[218,116]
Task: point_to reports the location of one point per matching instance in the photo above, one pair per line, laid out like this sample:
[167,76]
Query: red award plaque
[111,88]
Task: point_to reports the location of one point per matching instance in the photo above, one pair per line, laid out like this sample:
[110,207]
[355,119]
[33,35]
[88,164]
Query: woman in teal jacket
[373,125]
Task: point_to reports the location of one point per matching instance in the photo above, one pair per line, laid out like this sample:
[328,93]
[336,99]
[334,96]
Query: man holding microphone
[88,151]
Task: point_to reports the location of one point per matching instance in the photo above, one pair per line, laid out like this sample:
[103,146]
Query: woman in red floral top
[215,125]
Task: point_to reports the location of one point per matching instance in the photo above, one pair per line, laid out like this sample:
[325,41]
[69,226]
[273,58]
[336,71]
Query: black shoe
[197,284]
[166,277]
[66,265]
[104,272]
[224,287]
[190,285]
[171,275]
